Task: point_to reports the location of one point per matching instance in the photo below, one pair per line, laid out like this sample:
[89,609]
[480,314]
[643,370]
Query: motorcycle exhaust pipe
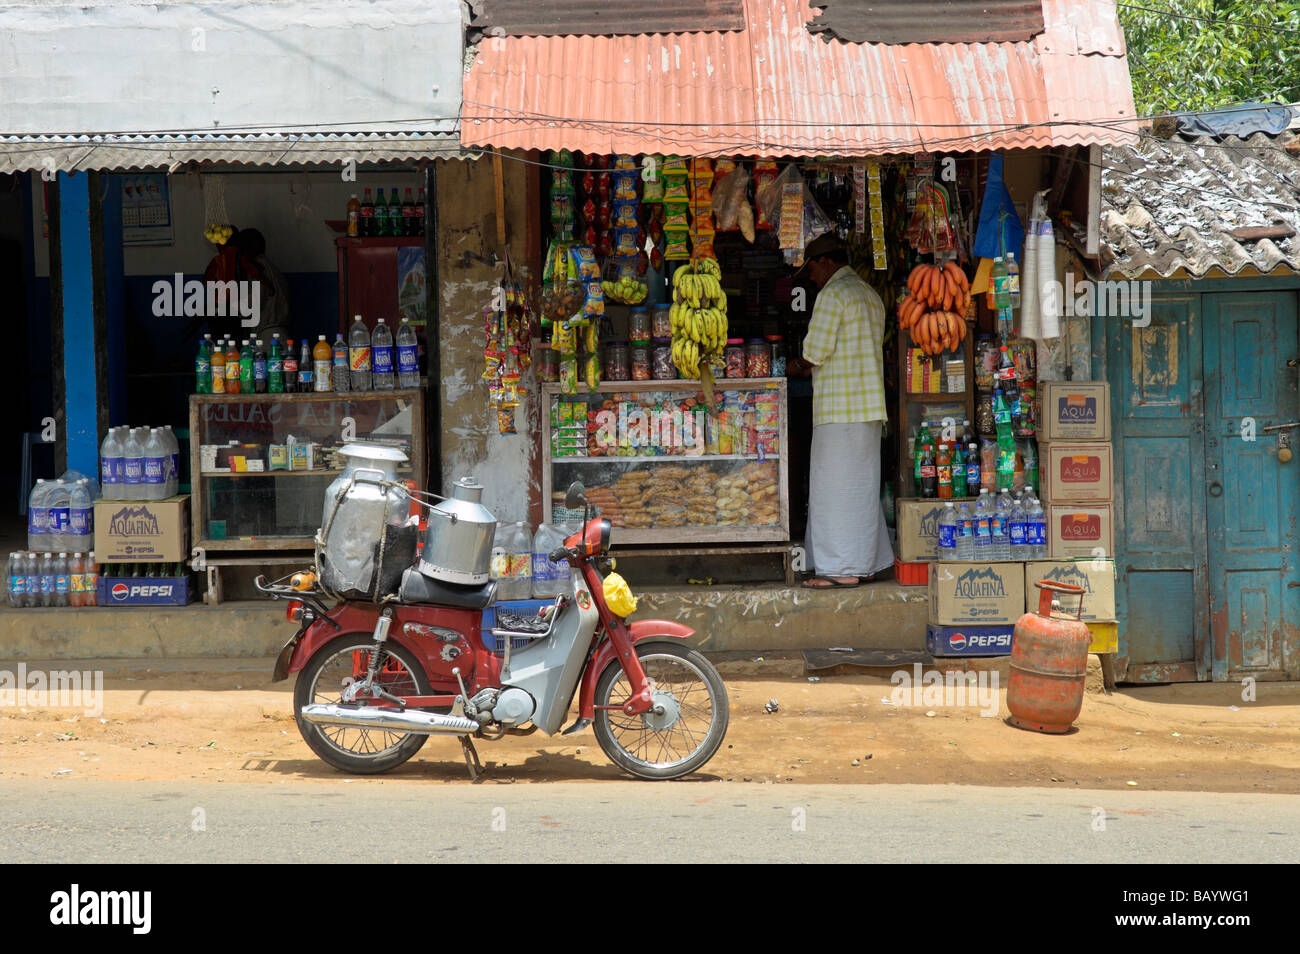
[413,721]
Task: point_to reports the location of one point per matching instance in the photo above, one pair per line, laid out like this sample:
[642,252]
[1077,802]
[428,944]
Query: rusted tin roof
[777,89]
[605,17]
[929,21]
[1196,205]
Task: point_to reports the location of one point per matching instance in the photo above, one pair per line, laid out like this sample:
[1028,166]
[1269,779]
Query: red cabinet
[381,278]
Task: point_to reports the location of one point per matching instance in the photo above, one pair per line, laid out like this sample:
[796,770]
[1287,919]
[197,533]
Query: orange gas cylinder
[1049,663]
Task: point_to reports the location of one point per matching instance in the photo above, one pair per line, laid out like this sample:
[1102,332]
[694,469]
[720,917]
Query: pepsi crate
[519,607]
[145,591]
[968,640]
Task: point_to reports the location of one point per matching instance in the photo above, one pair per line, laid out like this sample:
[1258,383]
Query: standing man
[847,539]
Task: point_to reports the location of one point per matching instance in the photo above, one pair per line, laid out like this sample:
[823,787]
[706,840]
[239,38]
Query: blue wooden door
[1159,437]
[1252,502]
[1206,518]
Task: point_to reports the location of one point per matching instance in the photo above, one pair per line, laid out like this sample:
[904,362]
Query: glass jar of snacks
[758,359]
[733,357]
[617,362]
[548,362]
[640,360]
[776,345]
[661,360]
[661,325]
[638,325]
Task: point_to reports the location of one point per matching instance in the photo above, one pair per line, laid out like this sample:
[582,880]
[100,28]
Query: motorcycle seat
[418,588]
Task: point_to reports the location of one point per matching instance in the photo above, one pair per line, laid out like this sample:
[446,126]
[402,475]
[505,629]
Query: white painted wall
[117,66]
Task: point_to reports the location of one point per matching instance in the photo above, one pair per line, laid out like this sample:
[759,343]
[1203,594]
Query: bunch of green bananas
[698,316]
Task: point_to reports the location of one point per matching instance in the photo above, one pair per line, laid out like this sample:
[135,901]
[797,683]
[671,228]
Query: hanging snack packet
[765,171]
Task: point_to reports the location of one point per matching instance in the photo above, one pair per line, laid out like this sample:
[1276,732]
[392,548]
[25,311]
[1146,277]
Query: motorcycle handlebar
[560,553]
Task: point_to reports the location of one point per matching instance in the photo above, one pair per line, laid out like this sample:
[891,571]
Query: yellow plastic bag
[618,596]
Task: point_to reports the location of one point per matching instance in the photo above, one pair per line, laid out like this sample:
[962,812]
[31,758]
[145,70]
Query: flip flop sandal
[831,583]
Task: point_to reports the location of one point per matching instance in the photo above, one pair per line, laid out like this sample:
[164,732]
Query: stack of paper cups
[1049,289]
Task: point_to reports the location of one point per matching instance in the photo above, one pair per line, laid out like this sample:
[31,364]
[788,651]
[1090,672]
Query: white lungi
[847,534]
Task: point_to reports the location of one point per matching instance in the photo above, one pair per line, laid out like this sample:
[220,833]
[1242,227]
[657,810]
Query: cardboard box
[144,591]
[1097,577]
[1073,411]
[983,594]
[917,520]
[968,640]
[1080,530]
[1071,471]
[143,531]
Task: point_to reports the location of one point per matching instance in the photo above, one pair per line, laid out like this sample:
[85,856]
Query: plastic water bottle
[60,503]
[172,484]
[15,579]
[965,533]
[998,520]
[38,516]
[983,527]
[62,585]
[1018,535]
[133,466]
[521,562]
[381,356]
[156,460]
[408,356]
[47,579]
[81,516]
[948,533]
[1036,528]
[359,354]
[342,378]
[110,464]
[550,579]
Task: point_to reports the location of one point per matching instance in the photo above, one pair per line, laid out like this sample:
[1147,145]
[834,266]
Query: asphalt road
[667,822]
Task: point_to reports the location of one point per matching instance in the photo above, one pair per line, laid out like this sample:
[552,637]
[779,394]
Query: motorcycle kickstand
[471,759]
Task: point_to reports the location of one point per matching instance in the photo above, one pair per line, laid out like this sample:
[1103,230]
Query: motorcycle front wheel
[360,751]
[687,725]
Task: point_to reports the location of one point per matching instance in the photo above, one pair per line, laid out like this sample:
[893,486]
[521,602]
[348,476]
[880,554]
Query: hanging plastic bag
[999,230]
[770,193]
[728,197]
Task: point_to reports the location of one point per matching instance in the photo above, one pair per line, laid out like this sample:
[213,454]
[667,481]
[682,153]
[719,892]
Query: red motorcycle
[376,679]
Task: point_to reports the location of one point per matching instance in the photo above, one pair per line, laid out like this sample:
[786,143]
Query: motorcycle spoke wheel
[688,731]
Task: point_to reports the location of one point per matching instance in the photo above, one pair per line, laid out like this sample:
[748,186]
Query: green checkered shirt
[844,342]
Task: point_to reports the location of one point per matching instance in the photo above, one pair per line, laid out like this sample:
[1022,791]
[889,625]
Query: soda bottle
[1001,294]
[408,213]
[381,215]
[91,570]
[973,470]
[368,216]
[419,213]
[929,478]
[246,366]
[1008,379]
[958,472]
[395,227]
[1018,535]
[965,533]
[275,365]
[305,367]
[203,367]
[923,437]
[259,367]
[322,361]
[342,372]
[354,216]
[943,472]
[75,581]
[290,368]
[948,532]
[218,363]
[359,354]
[408,354]
[967,435]
[15,580]
[983,527]
[232,367]
[381,354]
[1013,280]
[47,579]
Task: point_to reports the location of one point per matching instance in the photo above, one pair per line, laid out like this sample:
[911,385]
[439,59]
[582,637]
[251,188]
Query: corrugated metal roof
[929,21]
[605,17]
[777,89]
[69,153]
[1172,205]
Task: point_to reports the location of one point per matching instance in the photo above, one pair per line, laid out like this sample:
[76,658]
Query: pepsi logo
[120,590]
[957,642]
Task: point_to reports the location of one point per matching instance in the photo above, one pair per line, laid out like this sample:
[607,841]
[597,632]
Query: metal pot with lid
[366,537]
[458,537]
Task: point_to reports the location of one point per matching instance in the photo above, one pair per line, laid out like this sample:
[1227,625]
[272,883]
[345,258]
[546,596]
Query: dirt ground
[238,726]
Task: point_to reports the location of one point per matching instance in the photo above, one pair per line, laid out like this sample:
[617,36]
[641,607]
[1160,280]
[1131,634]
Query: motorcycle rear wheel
[356,750]
[634,743]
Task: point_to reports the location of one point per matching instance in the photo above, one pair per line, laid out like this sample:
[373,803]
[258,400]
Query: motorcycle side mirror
[576,496]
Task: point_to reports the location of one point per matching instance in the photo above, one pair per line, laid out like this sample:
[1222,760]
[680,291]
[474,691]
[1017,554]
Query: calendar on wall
[146,210]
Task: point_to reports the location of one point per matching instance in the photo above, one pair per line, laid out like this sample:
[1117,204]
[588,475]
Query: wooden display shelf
[905,478]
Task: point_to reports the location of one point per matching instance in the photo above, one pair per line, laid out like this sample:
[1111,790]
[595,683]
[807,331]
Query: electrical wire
[1215,21]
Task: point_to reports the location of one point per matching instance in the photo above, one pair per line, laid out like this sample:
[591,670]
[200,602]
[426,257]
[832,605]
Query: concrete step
[726,618]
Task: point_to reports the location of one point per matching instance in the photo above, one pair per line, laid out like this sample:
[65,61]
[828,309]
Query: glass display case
[261,462]
[664,467]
